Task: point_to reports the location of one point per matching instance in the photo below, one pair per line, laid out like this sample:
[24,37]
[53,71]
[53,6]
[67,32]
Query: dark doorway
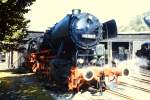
[120,50]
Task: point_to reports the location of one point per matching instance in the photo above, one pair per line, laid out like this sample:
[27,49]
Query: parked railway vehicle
[144,52]
[69,53]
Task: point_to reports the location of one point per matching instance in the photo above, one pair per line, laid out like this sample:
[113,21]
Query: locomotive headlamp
[80,61]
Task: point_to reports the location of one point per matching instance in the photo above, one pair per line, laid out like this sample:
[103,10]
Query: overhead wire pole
[109,46]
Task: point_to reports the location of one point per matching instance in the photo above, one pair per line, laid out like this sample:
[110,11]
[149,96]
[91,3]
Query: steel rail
[120,95]
[135,87]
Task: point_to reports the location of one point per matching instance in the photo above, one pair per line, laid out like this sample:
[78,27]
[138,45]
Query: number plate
[89,36]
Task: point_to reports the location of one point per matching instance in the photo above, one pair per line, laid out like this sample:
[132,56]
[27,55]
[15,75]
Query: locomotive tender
[69,52]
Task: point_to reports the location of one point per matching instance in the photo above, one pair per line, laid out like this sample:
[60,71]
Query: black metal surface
[144,51]
[86,30]
[82,29]
[109,29]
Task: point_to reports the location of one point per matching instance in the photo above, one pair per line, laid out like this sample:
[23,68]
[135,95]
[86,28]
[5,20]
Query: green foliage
[136,24]
[18,87]
[12,22]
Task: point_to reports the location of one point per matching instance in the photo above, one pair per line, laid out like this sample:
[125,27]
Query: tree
[12,22]
[136,24]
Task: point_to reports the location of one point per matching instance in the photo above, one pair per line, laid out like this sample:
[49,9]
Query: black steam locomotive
[71,43]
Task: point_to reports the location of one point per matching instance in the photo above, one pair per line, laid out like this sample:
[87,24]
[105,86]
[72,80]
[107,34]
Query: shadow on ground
[21,87]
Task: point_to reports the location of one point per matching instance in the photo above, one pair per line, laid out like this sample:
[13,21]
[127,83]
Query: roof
[121,37]
[33,34]
[130,37]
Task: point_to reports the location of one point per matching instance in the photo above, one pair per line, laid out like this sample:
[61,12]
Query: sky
[45,13]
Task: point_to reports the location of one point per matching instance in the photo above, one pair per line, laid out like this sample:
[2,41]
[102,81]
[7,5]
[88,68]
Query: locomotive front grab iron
[67,53]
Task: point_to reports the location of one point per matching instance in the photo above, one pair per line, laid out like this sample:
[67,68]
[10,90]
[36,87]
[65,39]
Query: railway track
[135,87]
[120,95]
[145,75]
[144,71]
[140,79]
[111,94]
[123,95]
